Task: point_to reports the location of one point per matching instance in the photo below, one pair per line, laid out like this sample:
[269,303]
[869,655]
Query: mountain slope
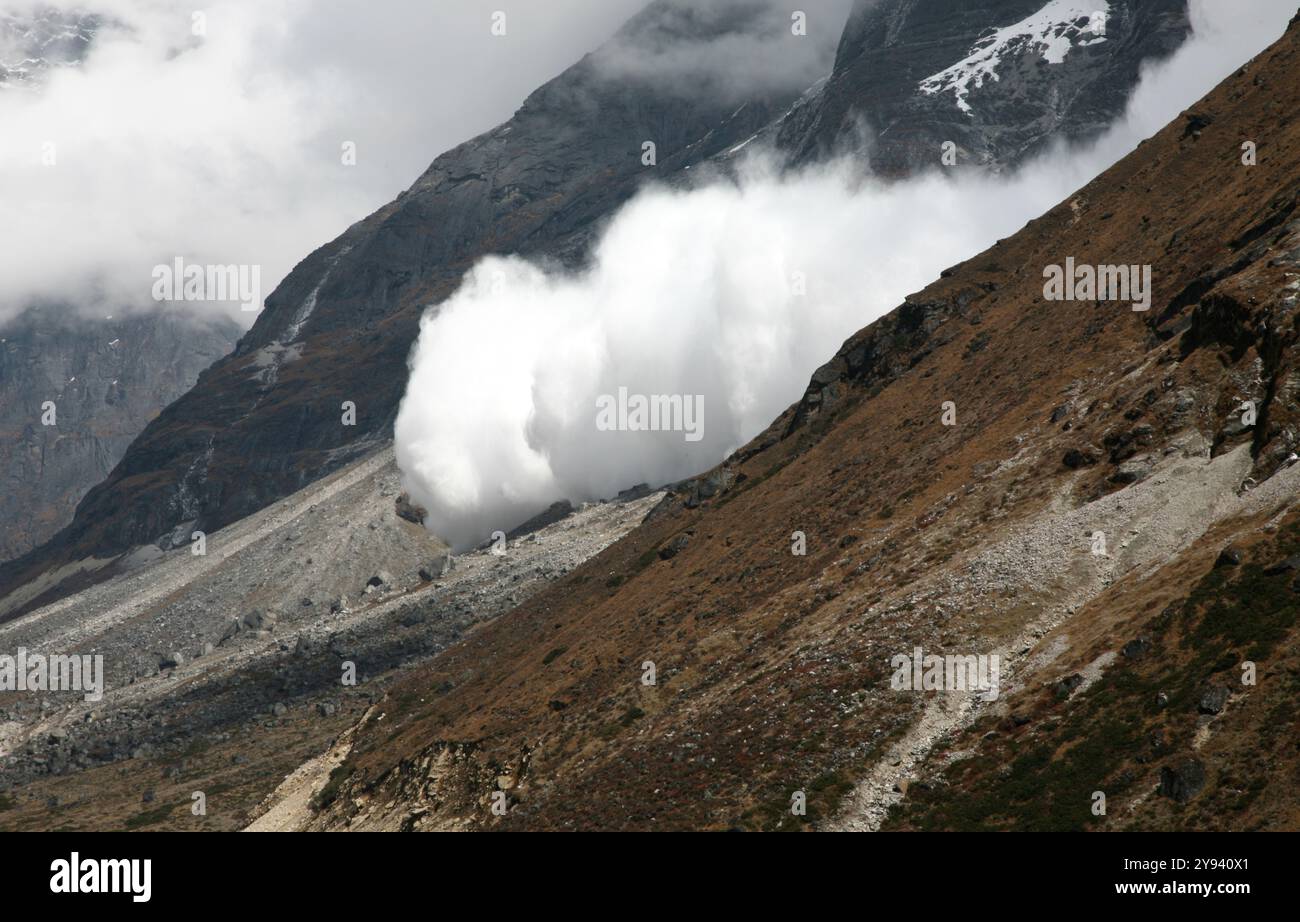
[226,666]
[269,419]
[773,670]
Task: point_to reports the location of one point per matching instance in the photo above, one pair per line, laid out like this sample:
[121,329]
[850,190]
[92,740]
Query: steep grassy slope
[772,669]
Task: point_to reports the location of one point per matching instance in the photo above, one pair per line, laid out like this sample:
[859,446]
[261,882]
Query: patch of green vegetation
[554,655]
[822,797]
[196,748]
[632,714]
[330,792]
[151,817]
[7,803]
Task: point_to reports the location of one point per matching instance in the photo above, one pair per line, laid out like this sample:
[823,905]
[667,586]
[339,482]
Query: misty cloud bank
[226,148]
[734,293]
[729,49]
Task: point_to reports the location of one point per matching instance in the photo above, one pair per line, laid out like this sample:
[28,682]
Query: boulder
[438,569]
[310,643]
[556,512]
[674,547]
[1230,556]
[410,511]
[1182,782]
[232,630]
[1213,700]
[1075,459]
[260,620]
[640,491]
[170,661]
[1065,687]
[1136,648]
[1133,471]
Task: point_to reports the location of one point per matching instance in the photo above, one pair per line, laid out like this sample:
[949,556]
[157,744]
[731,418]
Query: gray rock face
[105,380]
[998,78]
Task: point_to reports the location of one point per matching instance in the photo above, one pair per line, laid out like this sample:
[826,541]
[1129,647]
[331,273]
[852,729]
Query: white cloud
[734,49]
[227,149]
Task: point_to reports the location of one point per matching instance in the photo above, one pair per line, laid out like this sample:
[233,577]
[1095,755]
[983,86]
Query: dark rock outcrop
[1032,91]
[1182,782]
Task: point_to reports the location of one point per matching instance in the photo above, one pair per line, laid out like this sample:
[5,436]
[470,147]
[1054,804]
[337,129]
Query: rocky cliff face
[998,78]
[74,392]
[270,418]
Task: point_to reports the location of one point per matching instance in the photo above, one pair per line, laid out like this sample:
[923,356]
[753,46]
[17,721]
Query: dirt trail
[1146,525]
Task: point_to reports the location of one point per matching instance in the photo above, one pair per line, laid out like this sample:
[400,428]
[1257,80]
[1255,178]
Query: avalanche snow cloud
[732,293]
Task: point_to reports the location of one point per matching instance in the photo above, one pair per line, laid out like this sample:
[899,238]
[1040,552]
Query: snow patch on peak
[1051,32]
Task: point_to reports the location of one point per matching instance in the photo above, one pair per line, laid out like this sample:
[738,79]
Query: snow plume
[732,293]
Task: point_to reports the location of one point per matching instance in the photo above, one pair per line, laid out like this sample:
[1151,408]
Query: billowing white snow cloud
[734,293]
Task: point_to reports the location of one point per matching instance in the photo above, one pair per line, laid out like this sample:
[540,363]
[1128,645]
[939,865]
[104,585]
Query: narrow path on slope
[1149,524]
